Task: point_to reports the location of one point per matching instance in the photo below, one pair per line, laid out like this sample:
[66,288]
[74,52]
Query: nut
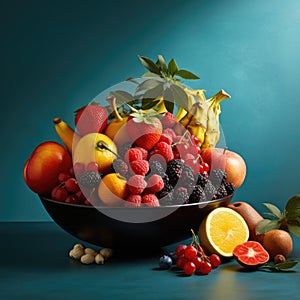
[87,259]
[279,258]
[76,253]
[99,259]
[106,253]
[90,251]
[80,246]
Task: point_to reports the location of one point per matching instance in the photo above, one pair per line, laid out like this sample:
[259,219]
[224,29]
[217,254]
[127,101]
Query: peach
[42,168]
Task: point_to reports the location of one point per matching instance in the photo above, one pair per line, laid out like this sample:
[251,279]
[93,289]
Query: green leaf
[187,74]
[149,64]
[147,84]
[274,210]
[122,97]
[148,103]
[172,67]
[266,225]
[293,229]
[292,204]
[154,92]
[285,265]
[162,63]
[179,95]
[150,74]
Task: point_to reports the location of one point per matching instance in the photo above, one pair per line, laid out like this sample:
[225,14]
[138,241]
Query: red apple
[230,161]
[41,170]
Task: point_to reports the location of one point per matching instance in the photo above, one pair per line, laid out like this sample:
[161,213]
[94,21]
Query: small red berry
[189,268]
[205,268]
[181,261]
[190,252]
[78,168]
[197,261]
[179,251]
[62,177]
[92,166]
[215,260]
[72,185]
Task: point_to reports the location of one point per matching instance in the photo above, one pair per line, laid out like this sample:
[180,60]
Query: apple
[230,161]
[42,168]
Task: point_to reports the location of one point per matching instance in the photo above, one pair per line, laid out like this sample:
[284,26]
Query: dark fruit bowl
[95,225]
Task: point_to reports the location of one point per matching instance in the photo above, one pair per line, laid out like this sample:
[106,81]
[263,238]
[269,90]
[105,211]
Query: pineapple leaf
[266,225]
[274,210]
[187,74]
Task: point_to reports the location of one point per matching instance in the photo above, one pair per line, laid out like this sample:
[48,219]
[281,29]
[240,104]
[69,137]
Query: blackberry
[202,180]
[156,167]
[187,179]
[217,177]
[164,191]
[180,196]
[229,188]
[174,170]
[221,192]
[122,149]
[120,166]
[89,179]
[209,190]
[197,195]
[167,199]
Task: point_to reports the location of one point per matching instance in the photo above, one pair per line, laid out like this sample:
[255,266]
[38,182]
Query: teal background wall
[57,55]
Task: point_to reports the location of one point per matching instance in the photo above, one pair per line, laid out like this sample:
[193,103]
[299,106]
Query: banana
[180,126]
[212,133]
[68,136]
[198,122]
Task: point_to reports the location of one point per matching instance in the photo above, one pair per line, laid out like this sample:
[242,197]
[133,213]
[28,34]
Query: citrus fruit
[95,147]
[251,254]
[112,189]
[222,230]
[278,241]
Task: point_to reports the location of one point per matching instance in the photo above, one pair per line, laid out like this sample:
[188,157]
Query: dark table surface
[34,264]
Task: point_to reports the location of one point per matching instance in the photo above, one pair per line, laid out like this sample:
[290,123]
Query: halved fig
[251,254]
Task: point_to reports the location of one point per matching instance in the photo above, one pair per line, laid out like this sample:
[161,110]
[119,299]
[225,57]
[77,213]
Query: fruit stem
[57,120]
[224,150]
[101,145]
[112,102]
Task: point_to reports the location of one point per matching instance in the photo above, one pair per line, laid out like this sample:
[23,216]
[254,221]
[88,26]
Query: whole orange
[112,189]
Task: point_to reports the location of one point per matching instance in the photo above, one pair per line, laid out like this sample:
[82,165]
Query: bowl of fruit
[142,166]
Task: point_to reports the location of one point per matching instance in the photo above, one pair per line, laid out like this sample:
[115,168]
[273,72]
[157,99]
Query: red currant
[78,168]
[72,199]
[59,194]
[62,177]
[205,268]
[179,251]
[189,268]
[195,139]
[181,261]
[92,166]
[215,260]
[197,261]
[190,252]
[72,185]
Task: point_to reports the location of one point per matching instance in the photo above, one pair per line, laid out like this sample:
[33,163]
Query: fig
[251,254]
[278,241]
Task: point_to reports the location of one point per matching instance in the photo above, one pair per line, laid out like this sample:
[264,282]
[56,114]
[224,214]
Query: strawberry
[91,118]
[144,128]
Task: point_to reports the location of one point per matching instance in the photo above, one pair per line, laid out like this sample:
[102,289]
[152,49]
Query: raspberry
[168,120]
[133,154]
[165,150]
[150,200]
[144,152]
[166,138]
[136,184]
[170,132]
[133,201]
[120,166]
[155,183]
[140,167]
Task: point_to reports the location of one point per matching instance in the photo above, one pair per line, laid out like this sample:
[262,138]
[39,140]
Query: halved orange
[222,230]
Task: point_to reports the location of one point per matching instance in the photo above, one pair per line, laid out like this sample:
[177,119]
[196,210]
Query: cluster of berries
[74,189]
[191,259]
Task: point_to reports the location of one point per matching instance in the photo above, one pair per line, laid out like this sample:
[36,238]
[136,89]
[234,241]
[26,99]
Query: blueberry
[165,262]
